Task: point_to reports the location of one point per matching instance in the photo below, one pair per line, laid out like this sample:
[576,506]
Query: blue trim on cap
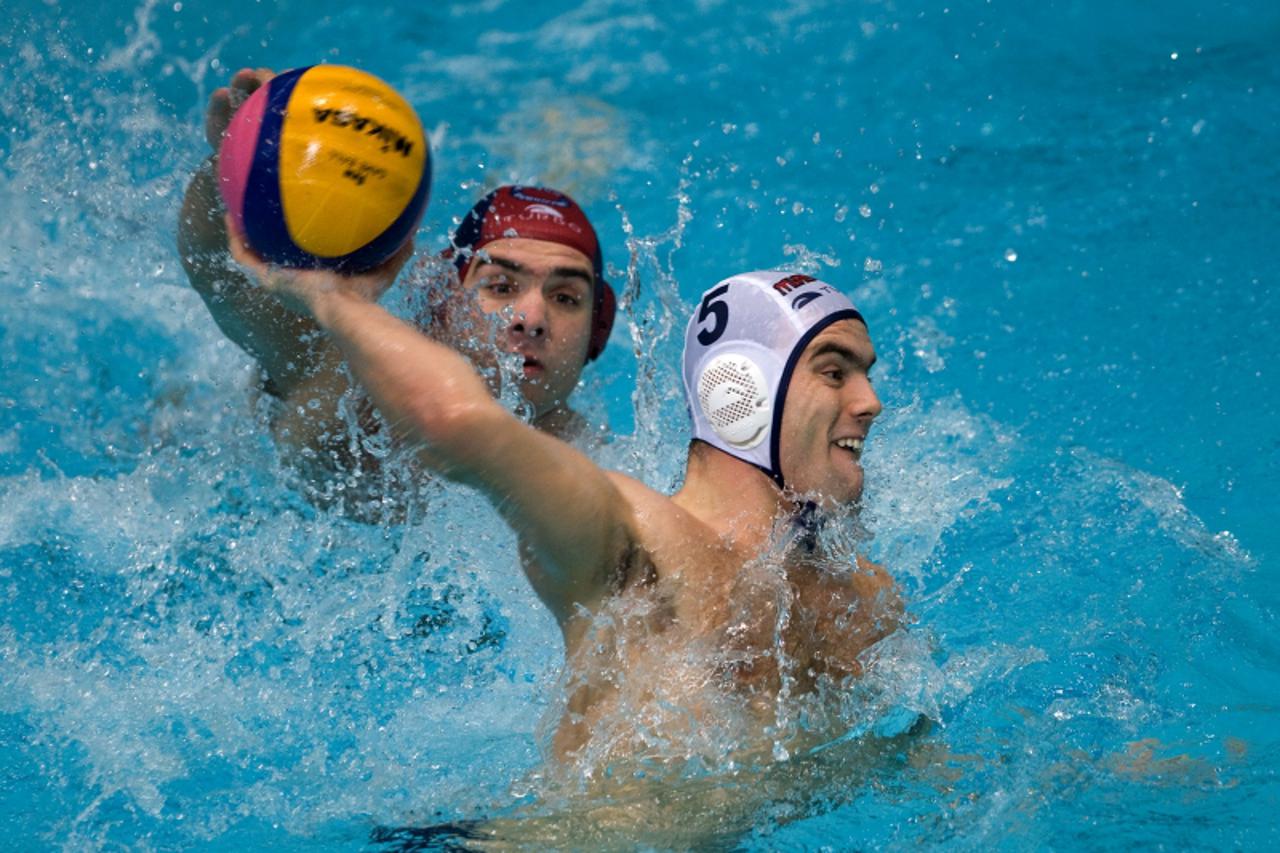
[264,220]
[264,224]
[468,233]
[784,382]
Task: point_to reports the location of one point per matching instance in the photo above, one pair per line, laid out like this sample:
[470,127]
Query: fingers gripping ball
[325,166]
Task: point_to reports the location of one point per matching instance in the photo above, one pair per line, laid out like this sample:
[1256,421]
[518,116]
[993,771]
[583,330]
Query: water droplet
[864,211]
[1010,255]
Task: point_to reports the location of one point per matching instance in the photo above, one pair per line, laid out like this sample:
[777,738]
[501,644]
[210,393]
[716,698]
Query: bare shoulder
[874,580]
[843,613]
[655,513]
[671,535]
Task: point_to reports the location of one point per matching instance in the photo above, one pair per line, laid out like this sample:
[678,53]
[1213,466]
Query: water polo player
[531,250]
[711,608]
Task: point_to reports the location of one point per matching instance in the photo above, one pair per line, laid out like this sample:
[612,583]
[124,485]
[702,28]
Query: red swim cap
[538,213]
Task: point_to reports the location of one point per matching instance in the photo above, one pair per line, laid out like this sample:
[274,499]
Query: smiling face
[548,289]
[828,411]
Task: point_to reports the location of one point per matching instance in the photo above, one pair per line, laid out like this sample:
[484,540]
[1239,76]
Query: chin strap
[807,524]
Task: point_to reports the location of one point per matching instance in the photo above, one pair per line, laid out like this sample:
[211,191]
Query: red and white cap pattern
[538,213]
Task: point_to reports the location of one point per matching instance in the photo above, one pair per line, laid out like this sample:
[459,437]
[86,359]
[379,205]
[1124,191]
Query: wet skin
[546,287]
[830,405]
[677,607]
[547,290]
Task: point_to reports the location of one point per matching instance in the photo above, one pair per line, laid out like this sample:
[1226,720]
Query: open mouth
[852,446]
[533,368]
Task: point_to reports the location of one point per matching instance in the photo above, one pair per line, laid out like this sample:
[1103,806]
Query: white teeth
[854,444]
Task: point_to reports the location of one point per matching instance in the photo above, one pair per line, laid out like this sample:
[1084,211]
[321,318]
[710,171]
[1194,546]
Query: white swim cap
[739,351]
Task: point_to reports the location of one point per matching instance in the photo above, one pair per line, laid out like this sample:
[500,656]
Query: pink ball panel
[235,157]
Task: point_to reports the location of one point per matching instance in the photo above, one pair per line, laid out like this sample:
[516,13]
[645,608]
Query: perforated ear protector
[734,397]
[741,347]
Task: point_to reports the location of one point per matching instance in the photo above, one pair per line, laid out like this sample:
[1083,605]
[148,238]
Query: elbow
[452,433]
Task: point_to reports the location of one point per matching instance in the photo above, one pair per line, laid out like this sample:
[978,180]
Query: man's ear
[602,315]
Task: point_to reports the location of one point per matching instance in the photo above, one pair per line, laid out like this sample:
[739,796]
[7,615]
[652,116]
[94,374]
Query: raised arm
[570,517]
[288,347]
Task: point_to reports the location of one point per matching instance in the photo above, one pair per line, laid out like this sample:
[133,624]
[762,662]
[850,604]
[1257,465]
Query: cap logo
[802,300]
[544,210]
[797,281]
[540,197]
[791,282]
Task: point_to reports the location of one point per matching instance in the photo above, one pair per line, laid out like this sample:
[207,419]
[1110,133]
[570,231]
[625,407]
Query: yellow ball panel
[352,153]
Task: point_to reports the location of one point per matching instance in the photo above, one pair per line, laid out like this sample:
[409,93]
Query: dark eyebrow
[556,272]
[842,351]
[574,272]
[493,260]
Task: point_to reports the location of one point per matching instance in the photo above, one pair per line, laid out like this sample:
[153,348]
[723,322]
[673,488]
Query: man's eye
[835,374]
[500,286]
[567,299]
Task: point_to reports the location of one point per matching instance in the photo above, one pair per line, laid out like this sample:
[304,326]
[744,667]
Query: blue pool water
[1059,219]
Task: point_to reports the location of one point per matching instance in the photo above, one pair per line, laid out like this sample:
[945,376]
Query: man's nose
[530,315]
[864,402]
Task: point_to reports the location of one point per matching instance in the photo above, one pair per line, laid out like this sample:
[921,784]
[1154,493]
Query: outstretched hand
[225,100]
[302,290]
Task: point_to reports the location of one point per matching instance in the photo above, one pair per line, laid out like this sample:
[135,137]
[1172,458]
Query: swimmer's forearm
[286,346]
[201,230]
[426,391]
[571,518]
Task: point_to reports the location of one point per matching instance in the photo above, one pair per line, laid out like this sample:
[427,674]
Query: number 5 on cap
[719,312]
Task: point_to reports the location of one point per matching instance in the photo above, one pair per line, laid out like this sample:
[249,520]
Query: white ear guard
[741,346]
[734,397]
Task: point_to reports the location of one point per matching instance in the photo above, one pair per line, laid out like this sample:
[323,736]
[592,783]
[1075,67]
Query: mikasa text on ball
[325,166]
